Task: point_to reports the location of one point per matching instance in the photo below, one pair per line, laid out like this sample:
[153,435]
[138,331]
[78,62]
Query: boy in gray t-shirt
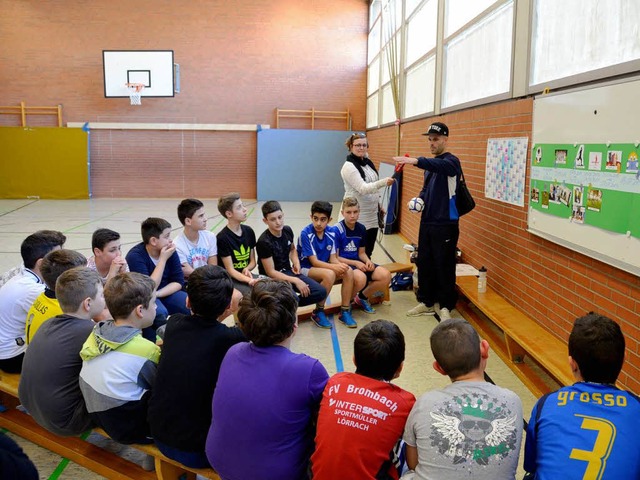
[469,429]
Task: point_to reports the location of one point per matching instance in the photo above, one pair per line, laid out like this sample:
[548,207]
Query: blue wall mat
[301,165]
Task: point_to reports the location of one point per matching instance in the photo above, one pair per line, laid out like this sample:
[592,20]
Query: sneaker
[421,309]
[363,304]
[346,318]
[320,319]
[445,314]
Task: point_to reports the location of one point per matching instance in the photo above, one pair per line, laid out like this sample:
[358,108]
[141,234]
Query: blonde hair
[350,202]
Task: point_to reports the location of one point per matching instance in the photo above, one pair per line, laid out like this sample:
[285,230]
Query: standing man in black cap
[439,230]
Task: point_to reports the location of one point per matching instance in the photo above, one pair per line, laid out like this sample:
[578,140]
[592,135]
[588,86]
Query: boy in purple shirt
[266,397]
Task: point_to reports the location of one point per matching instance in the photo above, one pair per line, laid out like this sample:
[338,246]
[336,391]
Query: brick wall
[554,285]
[239,61]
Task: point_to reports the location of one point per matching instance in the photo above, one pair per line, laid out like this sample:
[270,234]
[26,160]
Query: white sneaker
[421,309]
[445,314]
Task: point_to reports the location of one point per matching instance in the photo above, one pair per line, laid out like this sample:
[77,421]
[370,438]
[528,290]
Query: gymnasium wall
[554,285]
[238,63]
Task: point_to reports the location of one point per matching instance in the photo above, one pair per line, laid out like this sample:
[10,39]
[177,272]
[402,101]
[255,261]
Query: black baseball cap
[437,128]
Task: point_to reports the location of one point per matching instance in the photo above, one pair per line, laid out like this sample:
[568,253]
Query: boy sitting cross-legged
[279,260]
[46,305]
[359,447]
[196,245]
[119,365]
[350,235]
[49,385]
[318,260]
[236,243]
[193,349]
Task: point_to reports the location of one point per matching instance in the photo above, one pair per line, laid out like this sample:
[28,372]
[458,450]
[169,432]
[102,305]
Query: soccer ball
[416,205]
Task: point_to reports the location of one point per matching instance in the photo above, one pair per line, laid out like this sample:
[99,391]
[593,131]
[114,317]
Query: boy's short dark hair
[187,208]
[124,292]
[210,289]
[597,344]
[225,203]
[320,206]
[379,350]
[268,314]
[57,262]
[73,286]
[153,227]
[101,237]
[38,244]
[350,202]
[270,207]
[456,347]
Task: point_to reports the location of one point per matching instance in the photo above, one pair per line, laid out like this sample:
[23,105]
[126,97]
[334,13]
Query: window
[460,12]
[420,88]
[372,111]
[373,44]
[478,60]
[388,110]
[422,32]
[573,37]
[373,80]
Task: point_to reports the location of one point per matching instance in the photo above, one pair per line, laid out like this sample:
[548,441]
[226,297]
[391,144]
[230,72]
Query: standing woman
[361,181]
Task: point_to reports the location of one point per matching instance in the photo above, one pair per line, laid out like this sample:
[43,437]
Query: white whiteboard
[153,68]
[601,114]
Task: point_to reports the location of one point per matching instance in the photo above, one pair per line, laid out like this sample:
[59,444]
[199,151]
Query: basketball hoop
[134,92]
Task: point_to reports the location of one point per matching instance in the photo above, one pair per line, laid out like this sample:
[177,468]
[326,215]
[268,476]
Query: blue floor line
[336,345]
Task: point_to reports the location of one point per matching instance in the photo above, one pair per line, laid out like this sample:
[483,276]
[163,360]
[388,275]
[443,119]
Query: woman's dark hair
[268,314]
[353,138]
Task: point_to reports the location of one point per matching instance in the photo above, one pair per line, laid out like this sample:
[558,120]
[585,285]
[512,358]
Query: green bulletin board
[591,184]
[584,183]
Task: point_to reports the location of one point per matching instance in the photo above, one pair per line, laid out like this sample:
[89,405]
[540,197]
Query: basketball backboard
[152,68]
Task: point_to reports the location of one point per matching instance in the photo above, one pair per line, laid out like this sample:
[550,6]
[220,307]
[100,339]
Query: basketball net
[134,92]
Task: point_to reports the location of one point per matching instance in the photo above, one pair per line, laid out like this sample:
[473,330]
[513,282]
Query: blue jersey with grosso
[348,242]
[310,244]
[586,430]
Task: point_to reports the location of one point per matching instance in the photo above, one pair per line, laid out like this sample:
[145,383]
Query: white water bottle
[482,280]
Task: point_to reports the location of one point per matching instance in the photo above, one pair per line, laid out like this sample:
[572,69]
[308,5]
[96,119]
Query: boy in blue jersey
[318,259]
[588,430]
[369,278]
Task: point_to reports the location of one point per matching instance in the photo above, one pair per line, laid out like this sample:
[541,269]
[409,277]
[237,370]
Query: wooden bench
[517,336]
[86,454]
[334,307]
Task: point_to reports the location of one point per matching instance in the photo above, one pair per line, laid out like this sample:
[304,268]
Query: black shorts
[368,274]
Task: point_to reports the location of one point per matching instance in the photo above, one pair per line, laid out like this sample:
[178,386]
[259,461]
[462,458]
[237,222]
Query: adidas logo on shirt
[351,247]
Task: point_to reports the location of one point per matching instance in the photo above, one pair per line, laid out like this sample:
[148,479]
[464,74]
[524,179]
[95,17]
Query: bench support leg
[168,471]
[515,351]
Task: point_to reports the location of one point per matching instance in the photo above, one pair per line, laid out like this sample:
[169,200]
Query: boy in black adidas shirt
[236,243]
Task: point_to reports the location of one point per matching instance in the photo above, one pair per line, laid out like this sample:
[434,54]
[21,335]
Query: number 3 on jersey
[596,458]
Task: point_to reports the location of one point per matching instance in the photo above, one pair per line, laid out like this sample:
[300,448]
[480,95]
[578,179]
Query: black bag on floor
[402,281]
